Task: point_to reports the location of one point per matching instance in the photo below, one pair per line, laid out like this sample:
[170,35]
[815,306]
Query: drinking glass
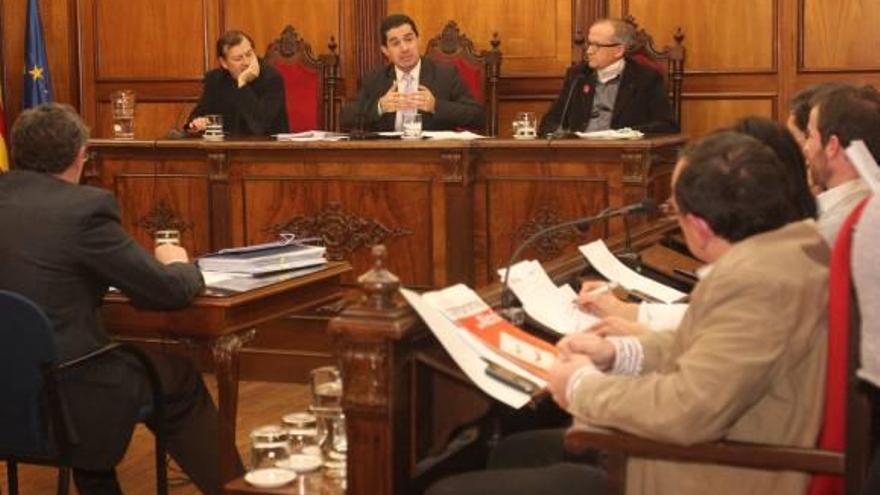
[169,236]
[123,102]
[301,430]
[525,126]
[213,128]
[412,126]
[269,445]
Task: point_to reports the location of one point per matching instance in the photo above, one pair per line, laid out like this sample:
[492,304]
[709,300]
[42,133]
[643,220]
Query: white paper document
[864,162]
[610,267]
[311,136]
[624,133]
[468,359]
[453,135]
[553,307]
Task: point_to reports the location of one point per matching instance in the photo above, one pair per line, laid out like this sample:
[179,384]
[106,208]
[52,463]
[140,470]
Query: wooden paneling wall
[743,56]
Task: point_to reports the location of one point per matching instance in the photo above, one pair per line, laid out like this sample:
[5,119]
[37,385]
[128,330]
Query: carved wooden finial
[332,45]
[495,42]
[379,284]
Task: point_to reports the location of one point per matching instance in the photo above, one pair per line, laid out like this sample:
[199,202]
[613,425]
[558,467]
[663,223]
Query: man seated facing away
[411,84]
[747,362]
[837,118]
[246,91]
[63,245]
[610,90]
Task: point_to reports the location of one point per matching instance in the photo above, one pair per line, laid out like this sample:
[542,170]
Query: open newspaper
[610,267]
[503,360]
[865,164]
[555,308]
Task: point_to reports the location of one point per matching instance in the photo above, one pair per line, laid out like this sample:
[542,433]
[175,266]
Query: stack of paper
[479,341]
[610,267]
[555,308]
[625,133]
[264,258]
[864,162]
[311,136]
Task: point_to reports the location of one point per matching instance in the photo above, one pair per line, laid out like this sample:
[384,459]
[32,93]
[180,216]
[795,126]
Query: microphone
[562,130]
[628,256]
[177,131]
[647,206]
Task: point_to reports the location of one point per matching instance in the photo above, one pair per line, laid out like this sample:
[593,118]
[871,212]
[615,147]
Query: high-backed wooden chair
[479,70]
[309,81]
[668,60]
[847,419]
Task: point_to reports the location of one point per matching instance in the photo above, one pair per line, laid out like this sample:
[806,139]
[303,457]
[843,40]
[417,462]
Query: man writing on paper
[246,91]
[411,84]
[747,362]
[610,90]
[63,245]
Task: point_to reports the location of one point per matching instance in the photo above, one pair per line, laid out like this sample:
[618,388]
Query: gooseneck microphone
[562,131]
[646,206]
[179,129]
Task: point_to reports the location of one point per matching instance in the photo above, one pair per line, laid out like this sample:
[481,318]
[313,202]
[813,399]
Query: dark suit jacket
[255,109]
[62,245]
[641,101]
[455,106]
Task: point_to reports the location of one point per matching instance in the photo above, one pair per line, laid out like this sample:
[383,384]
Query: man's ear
[700,227]
[385,51]
[833,147]
[223,63]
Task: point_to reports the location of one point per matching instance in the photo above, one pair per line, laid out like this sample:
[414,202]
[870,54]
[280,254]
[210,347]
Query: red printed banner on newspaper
[513,343]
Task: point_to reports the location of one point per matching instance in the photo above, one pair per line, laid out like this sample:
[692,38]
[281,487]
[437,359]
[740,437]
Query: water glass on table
[412,126]
[213,128]
[525,126]
[167,236]
[122,103]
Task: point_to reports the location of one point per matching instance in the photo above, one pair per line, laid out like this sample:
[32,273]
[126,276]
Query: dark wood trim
[367,55]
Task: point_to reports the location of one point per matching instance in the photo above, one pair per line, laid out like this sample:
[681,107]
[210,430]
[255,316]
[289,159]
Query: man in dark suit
[62,246]
[411,84]
[246,91]
[610,90]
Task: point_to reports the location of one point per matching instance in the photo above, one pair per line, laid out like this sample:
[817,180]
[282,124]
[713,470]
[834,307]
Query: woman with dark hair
[789,153]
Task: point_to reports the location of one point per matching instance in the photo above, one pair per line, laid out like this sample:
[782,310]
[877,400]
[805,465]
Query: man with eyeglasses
[610,90]
[411,84]
[246,91]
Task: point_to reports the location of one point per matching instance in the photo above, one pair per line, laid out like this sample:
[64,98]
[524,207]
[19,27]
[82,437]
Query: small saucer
[270,477]
[301,463]
[312,450]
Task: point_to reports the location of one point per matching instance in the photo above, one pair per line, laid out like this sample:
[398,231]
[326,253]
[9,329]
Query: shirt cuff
[629,356]
[575,379]
[379,108]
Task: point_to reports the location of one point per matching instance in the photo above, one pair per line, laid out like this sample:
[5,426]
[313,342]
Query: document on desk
[453,135]
[624,133]
[865,164]
[555,308]
[243,282]
[610,267]
[465,356]
[311,136]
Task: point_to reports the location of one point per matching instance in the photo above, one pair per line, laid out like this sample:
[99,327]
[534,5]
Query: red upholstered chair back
[309,81]
[668,60]
[479,70]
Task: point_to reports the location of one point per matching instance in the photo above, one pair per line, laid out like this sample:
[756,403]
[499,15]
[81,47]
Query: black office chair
[35,427]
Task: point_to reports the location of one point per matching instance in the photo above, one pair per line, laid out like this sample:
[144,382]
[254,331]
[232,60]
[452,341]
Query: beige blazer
[747,363]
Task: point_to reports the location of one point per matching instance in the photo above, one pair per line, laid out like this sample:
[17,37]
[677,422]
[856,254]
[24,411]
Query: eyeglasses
[668,208]
[593,44]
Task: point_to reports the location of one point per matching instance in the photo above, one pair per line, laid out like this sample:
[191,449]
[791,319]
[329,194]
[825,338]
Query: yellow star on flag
[36,72]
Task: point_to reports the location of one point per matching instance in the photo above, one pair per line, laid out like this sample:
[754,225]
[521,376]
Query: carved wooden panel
[535,34]
[839,35]
[720,36]
[156,39]
[152,119]
[165,201]
[314,20]
[352,215]
[701,116]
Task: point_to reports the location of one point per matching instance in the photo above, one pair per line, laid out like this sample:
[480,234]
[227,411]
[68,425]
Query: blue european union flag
[37,83]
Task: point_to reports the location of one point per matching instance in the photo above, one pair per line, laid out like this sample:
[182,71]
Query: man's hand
[391,100]
[561,372]
[198,124]
[601,352]
[249,74]
[615,325]
[605,303]
[423,99]
[170,253]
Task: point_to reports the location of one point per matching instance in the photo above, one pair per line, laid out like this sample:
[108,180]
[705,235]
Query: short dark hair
[802,102]
[777,137]
[393,21]
[47,138]
[850,113]
[731,181]
[229,39]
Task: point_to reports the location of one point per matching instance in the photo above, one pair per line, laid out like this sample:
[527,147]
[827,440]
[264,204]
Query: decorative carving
[636,166]
[458,170]
[342,232]
[365,373]
[163,217]
[225,347]
[552,244]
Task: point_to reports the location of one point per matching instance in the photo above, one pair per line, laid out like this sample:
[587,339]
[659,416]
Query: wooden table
[224,324]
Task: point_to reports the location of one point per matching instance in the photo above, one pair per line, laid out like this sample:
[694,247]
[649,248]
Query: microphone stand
[562,131]
[627,255]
